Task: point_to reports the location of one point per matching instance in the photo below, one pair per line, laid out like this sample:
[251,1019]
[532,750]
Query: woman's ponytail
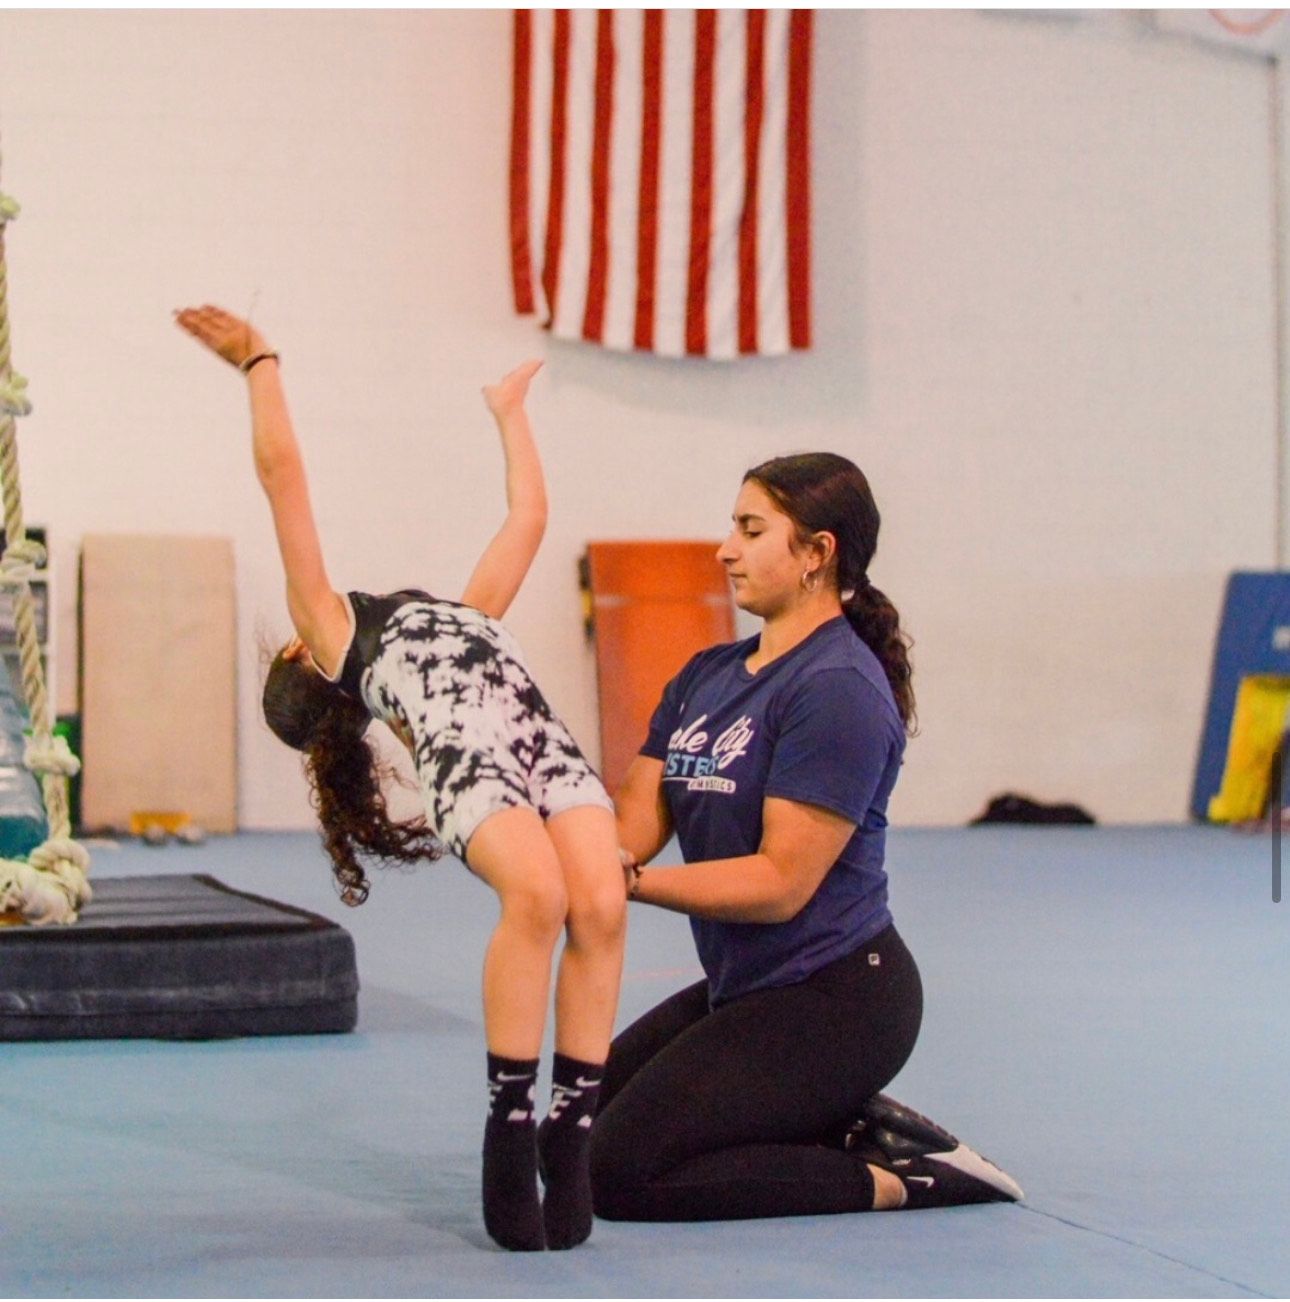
[877,623]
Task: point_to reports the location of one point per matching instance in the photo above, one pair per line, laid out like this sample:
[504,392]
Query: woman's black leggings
[718,1114]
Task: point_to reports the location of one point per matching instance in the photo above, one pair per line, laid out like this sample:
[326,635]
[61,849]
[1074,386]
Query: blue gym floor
[1105,1018]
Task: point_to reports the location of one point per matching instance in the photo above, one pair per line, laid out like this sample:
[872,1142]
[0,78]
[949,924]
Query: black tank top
[371,614]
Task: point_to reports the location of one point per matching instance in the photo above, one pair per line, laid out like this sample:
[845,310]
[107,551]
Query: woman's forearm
[641,836]
[643,822]
[750,888]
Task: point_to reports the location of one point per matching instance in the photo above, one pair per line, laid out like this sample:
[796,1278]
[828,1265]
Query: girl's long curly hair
[821,491]
[315,717]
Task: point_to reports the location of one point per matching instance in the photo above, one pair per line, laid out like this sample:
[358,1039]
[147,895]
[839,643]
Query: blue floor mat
[1105,1018]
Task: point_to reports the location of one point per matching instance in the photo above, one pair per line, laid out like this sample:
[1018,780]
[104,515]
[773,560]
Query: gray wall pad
[177,957]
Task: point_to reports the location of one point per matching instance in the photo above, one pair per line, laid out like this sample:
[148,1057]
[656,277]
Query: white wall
[1044,312]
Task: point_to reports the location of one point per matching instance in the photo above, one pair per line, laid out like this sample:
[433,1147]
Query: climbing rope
[50,884]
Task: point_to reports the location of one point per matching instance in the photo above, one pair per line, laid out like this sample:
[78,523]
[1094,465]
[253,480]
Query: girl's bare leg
[591,967]
[586,1001]
[512,852]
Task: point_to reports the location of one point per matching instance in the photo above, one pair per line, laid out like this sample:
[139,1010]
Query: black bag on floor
[1012,808]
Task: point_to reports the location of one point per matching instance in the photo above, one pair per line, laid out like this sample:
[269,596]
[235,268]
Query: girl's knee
[539,905]
[598,914]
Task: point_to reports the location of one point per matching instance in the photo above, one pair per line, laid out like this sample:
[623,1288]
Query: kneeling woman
[751,1093]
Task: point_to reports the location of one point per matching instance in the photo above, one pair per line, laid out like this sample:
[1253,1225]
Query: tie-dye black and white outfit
[484,738]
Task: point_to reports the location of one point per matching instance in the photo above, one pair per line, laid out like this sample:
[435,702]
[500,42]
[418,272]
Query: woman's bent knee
[615,1176]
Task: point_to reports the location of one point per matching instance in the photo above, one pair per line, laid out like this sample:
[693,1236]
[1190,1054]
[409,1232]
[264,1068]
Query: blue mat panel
[22,811]
[1253,638]
[177,957]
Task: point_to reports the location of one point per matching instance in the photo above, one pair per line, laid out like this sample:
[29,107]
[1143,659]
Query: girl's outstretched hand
[223,333]
[508,394]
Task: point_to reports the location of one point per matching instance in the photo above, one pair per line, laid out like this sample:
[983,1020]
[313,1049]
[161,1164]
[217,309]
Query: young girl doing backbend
[506,788]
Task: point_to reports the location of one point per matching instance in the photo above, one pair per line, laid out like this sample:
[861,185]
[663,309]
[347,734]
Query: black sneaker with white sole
[936,1169]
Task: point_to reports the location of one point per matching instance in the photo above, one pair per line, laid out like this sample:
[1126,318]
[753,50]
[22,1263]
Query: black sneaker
[936,1168]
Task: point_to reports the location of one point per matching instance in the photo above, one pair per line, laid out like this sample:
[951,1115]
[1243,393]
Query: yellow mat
[1258,724]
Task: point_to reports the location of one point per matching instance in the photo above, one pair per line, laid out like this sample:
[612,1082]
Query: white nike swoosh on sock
[501,1075]
[586,1084]
[922,1179]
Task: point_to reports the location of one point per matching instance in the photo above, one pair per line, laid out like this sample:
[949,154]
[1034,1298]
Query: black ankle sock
[564,1139]
[512,1212]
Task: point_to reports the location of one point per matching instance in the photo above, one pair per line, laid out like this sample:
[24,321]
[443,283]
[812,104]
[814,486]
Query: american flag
[660,178]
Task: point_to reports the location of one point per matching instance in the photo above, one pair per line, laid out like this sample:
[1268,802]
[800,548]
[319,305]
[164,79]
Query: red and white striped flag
[660,178]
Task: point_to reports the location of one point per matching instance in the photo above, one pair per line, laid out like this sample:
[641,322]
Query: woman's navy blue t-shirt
[819,725]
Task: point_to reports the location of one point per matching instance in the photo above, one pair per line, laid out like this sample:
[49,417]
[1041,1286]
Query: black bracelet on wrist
[245,367]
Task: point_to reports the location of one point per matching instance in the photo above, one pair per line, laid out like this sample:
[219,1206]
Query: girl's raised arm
[318,613]
[506,560]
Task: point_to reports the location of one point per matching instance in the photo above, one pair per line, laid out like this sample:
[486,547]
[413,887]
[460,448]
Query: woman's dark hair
[821,491]
[314,716]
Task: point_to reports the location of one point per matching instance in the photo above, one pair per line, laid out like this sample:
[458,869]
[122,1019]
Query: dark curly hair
[821,491]
[315,717]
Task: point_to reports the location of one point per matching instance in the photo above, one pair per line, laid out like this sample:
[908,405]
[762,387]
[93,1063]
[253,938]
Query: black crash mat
[177,957]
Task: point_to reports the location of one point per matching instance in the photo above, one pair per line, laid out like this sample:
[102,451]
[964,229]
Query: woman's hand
[631,870]
[507,396]
[224,334]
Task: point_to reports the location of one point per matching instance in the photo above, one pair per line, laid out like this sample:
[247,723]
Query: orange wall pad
[653,605]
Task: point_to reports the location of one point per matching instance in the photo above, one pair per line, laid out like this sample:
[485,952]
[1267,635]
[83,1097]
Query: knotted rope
[50,885]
